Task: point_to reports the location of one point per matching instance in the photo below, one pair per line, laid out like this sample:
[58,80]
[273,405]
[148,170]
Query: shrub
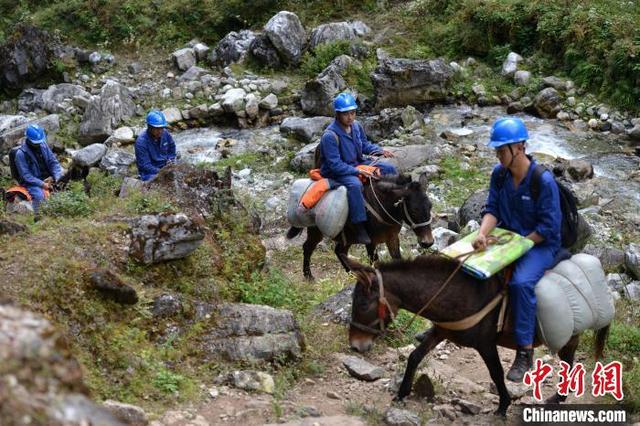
[71,203]
[316,61]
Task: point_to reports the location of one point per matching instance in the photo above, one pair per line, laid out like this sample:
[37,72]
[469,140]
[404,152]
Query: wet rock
[39,378]
[510,64]
[11,136]
[265,52]
[105,112]
[632,259]
[233,48]
[254,333]
[467,406]
[112,287]
[157,238]
[184,58]
[334,31]
[193,73]
[611,258]
[337,308]
[547,103]
[286,33]
[11,228]
[234,100]
[117,161]
[398,417]
[134,68]
[252,381]
[579,170]
[400,82]
[90,155]
[443,238]
[410,156]
[166,306]
[201,50]
[131,415]
[26,56]
[522,78]
[269,102]
[305,129]
[318,94]
[172,114]
[555,82]
[361,369]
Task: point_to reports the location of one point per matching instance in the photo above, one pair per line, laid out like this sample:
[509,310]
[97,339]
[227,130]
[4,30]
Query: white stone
[251,106]
[172,114]
[123,135]
[234,100]
[269,102]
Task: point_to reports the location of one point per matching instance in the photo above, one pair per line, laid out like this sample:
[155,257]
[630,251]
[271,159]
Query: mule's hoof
[310,278]
[502,412]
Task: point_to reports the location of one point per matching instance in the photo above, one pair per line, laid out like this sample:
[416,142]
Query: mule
[390,202]
[409,284]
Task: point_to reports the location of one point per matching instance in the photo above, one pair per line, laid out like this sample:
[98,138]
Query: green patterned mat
[510,247]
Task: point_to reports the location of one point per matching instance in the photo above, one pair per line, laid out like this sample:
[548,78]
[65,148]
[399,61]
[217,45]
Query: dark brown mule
[409,285]
[392,201]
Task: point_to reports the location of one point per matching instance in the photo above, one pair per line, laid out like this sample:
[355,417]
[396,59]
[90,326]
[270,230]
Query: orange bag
[314,193]
[314,174]
[375,171]
[21,191]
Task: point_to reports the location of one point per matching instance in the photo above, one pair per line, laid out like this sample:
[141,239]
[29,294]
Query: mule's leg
[314,236]
[393,244]
[566,354]
[489,354]
[430,341]
[372,253]
[341,250]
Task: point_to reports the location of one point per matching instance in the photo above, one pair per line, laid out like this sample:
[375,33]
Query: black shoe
[522,364]
[361,236]
[421,336]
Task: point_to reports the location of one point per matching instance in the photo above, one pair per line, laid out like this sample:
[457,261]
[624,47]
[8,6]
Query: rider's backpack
[12,163]
[317,155]
[568,204]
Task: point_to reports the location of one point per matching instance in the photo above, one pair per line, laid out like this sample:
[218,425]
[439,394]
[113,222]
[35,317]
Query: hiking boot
[361,237]
[522,364]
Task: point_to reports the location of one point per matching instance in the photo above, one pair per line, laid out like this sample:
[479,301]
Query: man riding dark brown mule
[390,202]
[379,293]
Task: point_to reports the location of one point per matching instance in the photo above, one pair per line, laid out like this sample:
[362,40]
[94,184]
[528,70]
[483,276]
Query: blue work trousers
[357,212]
[37,195]
[527,272]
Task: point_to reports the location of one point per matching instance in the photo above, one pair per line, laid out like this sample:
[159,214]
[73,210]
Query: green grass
[461,181]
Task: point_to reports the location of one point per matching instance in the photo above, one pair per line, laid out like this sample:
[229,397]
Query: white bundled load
[329,215]
[572,297]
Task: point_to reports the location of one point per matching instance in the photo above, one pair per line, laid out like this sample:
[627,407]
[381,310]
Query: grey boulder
[90,155]
[286,33]
[105,112]
[305,129]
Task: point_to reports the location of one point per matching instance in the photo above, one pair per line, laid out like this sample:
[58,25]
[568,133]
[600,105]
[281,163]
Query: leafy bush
[149,203]
[71,203]
[314,62]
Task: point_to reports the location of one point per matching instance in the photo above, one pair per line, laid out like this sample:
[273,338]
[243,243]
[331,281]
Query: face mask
[33,145]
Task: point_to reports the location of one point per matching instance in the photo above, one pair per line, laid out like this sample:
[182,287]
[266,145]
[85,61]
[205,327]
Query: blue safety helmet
[344,102]
[507,130]
[35,134]
[156,119]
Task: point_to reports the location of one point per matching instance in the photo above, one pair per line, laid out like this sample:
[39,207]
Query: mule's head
[416,208]
[369,315]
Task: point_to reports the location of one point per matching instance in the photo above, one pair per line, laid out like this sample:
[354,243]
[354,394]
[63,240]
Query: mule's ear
[363,273]
[424,181]
[403,179]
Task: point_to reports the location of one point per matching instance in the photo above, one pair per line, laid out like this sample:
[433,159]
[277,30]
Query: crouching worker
[341,149]
[154,147]
[36,167]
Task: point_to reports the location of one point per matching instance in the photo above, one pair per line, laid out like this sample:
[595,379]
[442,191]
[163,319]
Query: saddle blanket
[572,297]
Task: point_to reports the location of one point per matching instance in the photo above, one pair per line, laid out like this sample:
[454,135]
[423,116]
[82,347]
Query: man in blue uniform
[37,166]
[342,148]
[154,147]
[511,205]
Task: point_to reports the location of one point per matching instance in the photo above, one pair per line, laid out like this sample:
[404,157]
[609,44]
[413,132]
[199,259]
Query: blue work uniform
[518,211]
[152,155]
[340,158]
[33,170]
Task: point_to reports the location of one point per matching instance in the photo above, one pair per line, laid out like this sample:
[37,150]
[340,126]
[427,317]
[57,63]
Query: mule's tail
[601,339]
[293,232]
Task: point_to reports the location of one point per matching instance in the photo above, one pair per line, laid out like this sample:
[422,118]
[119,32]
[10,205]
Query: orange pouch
[314,193]
[369,169]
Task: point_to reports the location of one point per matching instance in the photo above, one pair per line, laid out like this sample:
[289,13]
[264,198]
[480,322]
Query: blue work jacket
[518,211]
[153,155]
[29,169]
[341,159]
